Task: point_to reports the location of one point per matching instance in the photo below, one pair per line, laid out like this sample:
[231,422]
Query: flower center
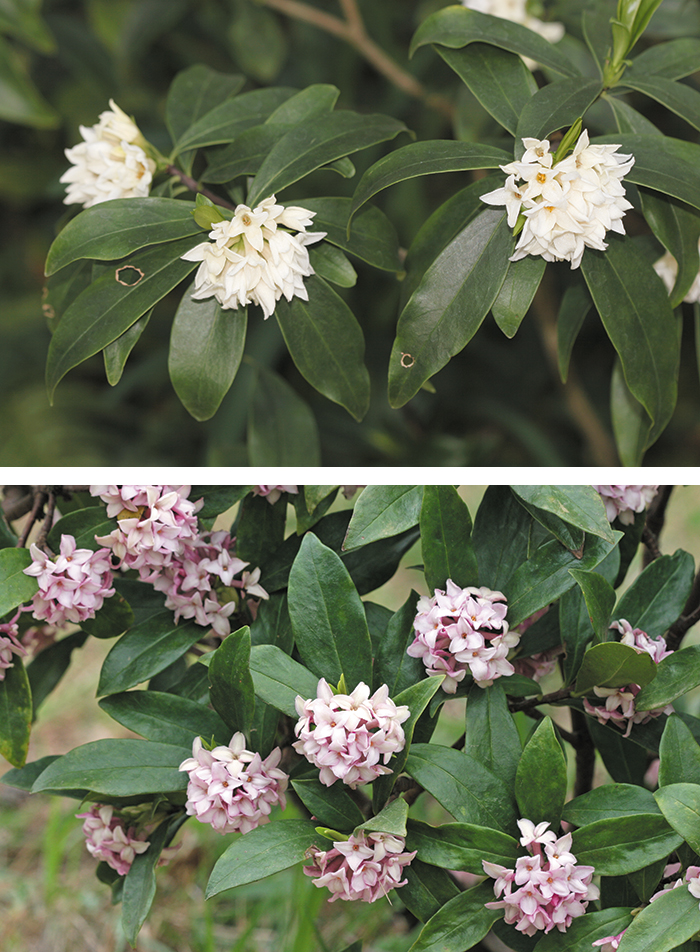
[246,219]
[541,178]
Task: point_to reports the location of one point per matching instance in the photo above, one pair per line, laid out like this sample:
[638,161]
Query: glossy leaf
[244,155]
[282,429]
[116,354]
[631,424]
[678,229]
[327,616]
[262,852]
[449,305]
[83,525]
[16,713]
[111,620]
[260,529]
[425,158]
[517,292]
[165,718]
[673,59]
[657,596]
[679,98]
[47,668]
[231,683]
[427,889]
[556,106]
[15,586]
[664,924]
[540,782]
[461,846]
[679,754]
[145,650]
[460,923]
[372,239]
[491,735]
[445,538]
[579,506]
[118,768]
[575,304]
[620,845]
[500,536]
[608,801]
[680,804]
[206,349]
[278,679]
[381,512]
[613,665]
[327,345]
[194,92]
[316,143]
[114,229]
[456,27]
[332,807]
[392,665]
[599,596]
[331,263]
[106,308]
[391,819]
[585,930]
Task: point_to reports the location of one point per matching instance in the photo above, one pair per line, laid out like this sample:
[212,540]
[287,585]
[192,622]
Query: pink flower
[346,735]
[10,645]
[692,877]
[73,587]
[611,943]
[231,788]
[108,838]
[273,493]
[624,501]
[365,866]
[553,890]
[619,702]
[463,630]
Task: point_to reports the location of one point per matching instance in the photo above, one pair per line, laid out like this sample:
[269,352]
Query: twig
[528,704]
[194,186]
[40,497]
[48,519]
[353,31]
[655,519]
[585,753]
[689,617]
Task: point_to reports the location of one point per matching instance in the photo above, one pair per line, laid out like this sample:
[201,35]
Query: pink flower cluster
[461,630]
[73,586]
[109,839]
[232,788]
[345,735]
[365,866]
[619,704]
[624,501]
[546,888]
[273,493]
[10,645]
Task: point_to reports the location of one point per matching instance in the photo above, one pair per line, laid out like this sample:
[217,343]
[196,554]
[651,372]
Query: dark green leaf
[194,92]
[330,262]
[575,304]
[540,782]
[461,846]
[143,599]
[599,596]
[657,596]
[427,889]
[373,237]
[48,667]
[327,345]
[278,679]
[231,683]
[111,620]
[460,923]
[675,675]
[116,354]
[263,851]
[259,529]
[206,349]
[282,430]
[23,777]
[15,586]
[625,759]
[244,155]
[381,512]
[83,525]
[392,665]
[445,538]
[610,800]
[585,930]
[678,229]
[556,106]
[332,807]
[517,291]
[613,665]
[491,735]
[673,59]
[619,845]
[633,429]
[272,625]
[579,506]
[390,819]
[628,119]
[500,537]
[217,499]
[678,97]
[20,100]
[679,754]
[165,718]
[15,713]
[664,924]
[680,804]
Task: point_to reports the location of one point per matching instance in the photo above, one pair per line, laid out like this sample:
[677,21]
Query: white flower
[253,259]
[667,269]
[109,163]
[567,206]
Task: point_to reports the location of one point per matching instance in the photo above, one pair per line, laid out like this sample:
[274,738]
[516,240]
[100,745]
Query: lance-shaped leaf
[450,303]
[575,304]
[599,596]
[445,538]
[166,718]
[381,512]
[332,264]
[278,679]
[622,844]
[206,349]
[679,754]
[326,343]
[15,713]
[49,666]
[327,616]
[491,735]
[632,426]
[673,59]
[657,596]
[675,675]
[500,537]
[108,306]
[664,924]
[678,229]
[585,930]
[579,506]
[117,768]
[679,98]
[262,852]
[231,683]
[15,586]
[680,804]
[461,845]
[613,665]
[460,924]
[517,292]
[556,106]
[194,92]
[427,889]
[145,650]
[391,819]
[116,354]
[83,525]
[332,807]
[456,27]
[662,163]
[282,430]
[425,158]
[610,800]
[316,143]
[111,620]
[107,232]
[373,237]
[392,665]
[540,783]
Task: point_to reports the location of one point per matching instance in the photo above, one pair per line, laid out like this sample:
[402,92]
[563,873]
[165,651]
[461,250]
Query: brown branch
[17,501]
[654,523]
[528,704]
[352,30]
[194,186]
[40,497]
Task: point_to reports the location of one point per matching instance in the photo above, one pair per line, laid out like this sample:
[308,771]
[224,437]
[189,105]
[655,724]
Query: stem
[352,30]
[528,704]
[655,519]
[40,497]
[585,753]
[194,186]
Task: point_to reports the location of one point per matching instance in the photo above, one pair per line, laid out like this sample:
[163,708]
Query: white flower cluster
[109,163]
[567,206]
[254,259]
[667,269]
[516,11]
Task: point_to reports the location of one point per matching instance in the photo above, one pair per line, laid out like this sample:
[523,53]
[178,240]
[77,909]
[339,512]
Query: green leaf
[625,759]
[445,530]
[391,819]
[260,853]
[664,924]
[585,930]
[427,889]
[392,666]
[15,713]
[48,667]
[331,263]
[456,27]
[517,292]
[257,40]
[678,97]
[599,596]
[231,683]
[373,237]
[114,229]
[330,806]
[463,786]
[83,525]
[579,506]
[662,163]
[327,616]
[499,80]
[608,801]
[680,804]
[657,596]
[23,777]
[675,675]
[308,103]
[556,106]
[316,143]
[461,846]
[673,59]
[194,92]
[165,718]
[116,354]
[22,19]
[575,304]
[460,923]
[282,429]
[327,345]
[259,529]
[244,155]
[117,768]
[278,679]
[206,349]
[450,303]
[678,229]
[231,117]
[106,308]
[633,429]
[491,735]
[425,158]
[145,650]
[620,845]
[381,512]
[15,586]
[613,665]
[540,782]
[500,537]
[20,100]
[679,754]
[111,620]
